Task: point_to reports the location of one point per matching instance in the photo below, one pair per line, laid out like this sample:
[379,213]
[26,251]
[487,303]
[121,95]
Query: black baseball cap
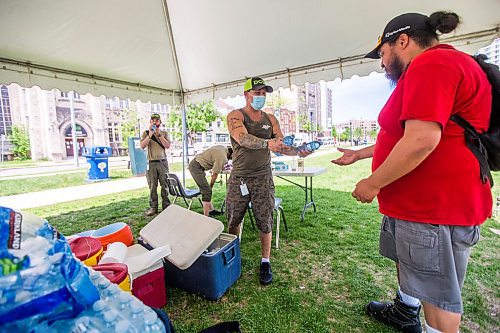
[402,24]
[256,83]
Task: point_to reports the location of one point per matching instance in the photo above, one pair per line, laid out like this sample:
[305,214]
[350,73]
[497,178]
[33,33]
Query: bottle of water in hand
[310,146]
[288,140]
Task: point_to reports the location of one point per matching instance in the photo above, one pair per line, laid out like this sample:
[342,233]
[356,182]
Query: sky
[359,97]
[354,98]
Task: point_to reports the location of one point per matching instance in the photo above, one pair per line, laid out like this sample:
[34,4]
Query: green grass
[17,164]
[326,270]
[33,184]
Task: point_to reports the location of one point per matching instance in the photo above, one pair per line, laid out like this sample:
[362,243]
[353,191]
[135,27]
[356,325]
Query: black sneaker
[403,317]
[266,274]
[214,213]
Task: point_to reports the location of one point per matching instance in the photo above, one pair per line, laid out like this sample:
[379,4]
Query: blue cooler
[204,260]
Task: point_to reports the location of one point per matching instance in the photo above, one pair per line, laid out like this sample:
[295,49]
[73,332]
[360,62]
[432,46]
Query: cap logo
[389,34]
[259,81]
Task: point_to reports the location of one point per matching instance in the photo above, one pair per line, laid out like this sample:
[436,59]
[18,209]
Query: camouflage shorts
[261,193]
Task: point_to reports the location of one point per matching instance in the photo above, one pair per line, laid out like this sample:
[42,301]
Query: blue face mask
[258,102]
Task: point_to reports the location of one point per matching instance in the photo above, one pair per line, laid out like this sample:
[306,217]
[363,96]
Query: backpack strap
[473,142]
[155,139]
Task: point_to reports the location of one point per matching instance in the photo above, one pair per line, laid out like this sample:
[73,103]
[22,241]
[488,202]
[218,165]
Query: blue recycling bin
[97,159]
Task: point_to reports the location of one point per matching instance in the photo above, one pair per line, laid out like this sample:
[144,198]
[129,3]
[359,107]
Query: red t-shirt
[446,187]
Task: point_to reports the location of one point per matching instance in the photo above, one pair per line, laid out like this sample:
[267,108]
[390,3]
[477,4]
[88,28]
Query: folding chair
[177,191]
[278,212]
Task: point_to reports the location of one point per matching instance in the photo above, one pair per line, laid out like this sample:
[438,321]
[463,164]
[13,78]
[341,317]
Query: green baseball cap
[155,116]
[256,83]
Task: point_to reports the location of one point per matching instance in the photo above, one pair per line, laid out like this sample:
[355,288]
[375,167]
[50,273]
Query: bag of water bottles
[44,288]
[40,280]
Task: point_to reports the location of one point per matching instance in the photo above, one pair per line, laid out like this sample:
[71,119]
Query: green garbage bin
[98,164]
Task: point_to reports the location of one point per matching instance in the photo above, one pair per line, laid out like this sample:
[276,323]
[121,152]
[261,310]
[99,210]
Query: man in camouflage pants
[254,134]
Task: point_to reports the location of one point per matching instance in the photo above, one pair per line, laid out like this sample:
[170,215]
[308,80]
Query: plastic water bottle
[153,128]
[124,326]
[289,140]
[96,277]
[310,146]
[124,304]
[136,315]
[151,324]
[98,310]
[110,319]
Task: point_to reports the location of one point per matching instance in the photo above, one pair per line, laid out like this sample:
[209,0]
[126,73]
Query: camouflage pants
[157,172]
[261,194]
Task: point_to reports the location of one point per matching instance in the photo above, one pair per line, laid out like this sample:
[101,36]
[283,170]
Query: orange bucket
[115,232]
[87,249]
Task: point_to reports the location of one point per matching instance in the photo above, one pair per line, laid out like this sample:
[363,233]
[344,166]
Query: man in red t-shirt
[426,179]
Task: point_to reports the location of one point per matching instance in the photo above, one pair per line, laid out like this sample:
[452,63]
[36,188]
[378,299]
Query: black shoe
[398,315]
[266,274]
[214,213]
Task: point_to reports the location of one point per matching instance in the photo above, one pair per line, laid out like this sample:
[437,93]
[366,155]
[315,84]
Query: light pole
[351,130]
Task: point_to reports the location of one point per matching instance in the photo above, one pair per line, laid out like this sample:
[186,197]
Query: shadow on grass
[326,270]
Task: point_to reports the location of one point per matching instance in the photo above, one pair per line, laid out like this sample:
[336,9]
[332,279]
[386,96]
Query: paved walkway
[66,194]
[51,197]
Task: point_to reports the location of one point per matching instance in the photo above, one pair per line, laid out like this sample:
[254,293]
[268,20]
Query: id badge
[243,188]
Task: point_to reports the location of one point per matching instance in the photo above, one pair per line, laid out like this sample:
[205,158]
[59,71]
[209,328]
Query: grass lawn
[326,270]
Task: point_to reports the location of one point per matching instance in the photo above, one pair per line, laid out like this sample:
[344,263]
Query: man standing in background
[156,142]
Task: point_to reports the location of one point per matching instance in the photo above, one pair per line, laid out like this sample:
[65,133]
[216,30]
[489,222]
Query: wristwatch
[265,144]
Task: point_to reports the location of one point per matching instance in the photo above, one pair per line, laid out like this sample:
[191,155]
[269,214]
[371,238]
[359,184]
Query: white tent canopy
[154,49]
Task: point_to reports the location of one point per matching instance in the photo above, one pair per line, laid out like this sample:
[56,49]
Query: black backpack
[485,146]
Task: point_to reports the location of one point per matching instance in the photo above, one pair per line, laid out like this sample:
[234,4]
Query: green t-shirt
[155,151]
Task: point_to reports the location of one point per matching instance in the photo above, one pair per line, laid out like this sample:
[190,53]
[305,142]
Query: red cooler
[148,285]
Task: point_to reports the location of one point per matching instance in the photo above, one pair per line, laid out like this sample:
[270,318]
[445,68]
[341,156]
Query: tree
[373,134]
[346,134]
[358,133]
[129,127]
[304,122]
[334,132]
[199,117]
[276,101]
[21,143]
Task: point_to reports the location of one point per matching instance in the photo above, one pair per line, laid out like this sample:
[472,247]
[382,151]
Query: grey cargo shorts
[432,259]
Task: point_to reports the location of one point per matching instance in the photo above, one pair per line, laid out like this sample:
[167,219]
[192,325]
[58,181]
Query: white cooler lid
[135,251]
[188,234]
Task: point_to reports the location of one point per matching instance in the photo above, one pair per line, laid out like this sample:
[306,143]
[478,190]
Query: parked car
[178,151]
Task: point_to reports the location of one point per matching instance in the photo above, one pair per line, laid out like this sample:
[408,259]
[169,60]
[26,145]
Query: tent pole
[73,128]
[181,89]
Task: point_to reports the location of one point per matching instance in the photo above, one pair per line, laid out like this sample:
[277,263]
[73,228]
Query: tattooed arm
[285,150]
[239,133]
